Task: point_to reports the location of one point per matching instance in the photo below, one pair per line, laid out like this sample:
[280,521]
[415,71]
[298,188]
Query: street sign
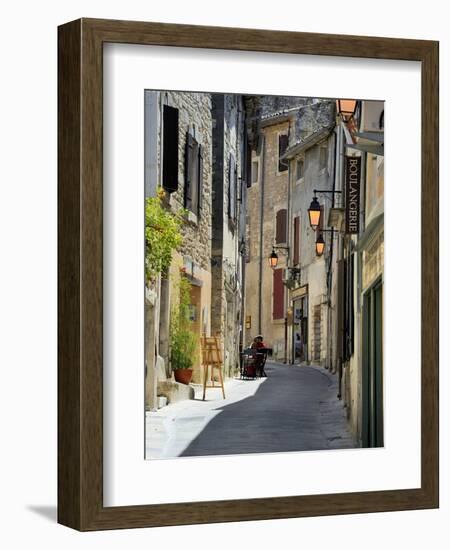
[352,194]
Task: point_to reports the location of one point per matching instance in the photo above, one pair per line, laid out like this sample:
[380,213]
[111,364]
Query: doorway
[372,368]
[300,330]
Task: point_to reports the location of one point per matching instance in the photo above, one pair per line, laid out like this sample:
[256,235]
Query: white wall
[28,275]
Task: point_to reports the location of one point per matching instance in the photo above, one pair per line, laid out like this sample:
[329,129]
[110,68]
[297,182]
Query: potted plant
[184,343]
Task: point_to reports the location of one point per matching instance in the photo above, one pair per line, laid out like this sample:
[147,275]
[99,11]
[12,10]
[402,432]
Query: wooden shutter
[248,165]
[340,310]
[232,188]
[200,178]
[281,226]
[296,240]
[192,174]
[351,337]
[188,172]
[170,149]
[278,295]
[283,141]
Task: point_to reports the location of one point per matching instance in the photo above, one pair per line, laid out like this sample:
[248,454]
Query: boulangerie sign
[352,194]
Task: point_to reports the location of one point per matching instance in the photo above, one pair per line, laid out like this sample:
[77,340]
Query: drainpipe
[261,232]
[288,258]
[330,264]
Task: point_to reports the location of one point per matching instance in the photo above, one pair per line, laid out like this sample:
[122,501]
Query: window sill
[278,321]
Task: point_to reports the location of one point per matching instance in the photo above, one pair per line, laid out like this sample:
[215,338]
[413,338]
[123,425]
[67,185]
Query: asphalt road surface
[293,409]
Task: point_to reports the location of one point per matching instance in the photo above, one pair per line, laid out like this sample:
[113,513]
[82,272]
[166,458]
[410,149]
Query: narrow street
[293,409]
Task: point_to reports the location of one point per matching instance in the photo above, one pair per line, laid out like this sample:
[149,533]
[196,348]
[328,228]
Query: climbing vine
[162,236]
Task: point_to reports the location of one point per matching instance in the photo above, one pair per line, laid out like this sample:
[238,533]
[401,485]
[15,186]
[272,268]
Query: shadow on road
[283,415]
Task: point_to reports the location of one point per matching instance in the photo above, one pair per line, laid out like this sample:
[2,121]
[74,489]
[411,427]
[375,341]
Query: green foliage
[162,236]
[184,343]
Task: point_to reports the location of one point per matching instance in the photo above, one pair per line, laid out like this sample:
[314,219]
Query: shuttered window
[170,149]
[232,183]
[193,186]
[281,226]
[300,169]
[200,179]
[282,146]
[278,295]
[296,240]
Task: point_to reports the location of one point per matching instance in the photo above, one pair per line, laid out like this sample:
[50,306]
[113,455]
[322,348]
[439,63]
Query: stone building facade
[362,376]
[194,150]
[178,144]
[228,200]
[311,162]
[274,196]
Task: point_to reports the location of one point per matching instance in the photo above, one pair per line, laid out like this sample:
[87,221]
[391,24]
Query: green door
[372,368]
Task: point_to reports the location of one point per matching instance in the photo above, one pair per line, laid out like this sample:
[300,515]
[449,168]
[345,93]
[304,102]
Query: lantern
[314,213]
[346,108]
[273,259]
[320,245]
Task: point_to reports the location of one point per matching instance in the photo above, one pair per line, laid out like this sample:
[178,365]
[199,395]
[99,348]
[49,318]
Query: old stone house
[274,196]
[311,161]
[194,150]
[228,202]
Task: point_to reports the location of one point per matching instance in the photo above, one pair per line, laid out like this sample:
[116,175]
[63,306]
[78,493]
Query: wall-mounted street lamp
[273,258]
[346,108]
[320,242]
[314,210]
[320,245]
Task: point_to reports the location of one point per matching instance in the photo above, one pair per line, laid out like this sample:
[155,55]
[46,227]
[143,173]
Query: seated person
[258,342]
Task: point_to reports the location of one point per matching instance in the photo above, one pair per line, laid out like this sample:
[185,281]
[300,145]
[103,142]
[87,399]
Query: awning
[378,137]
[372,149]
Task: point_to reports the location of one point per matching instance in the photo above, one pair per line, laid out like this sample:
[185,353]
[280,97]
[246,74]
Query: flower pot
[183,375]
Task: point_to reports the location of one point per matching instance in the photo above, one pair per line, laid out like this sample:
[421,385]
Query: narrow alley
[293,409]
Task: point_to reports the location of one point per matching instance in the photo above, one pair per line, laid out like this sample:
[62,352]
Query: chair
[261,358]
[249,363]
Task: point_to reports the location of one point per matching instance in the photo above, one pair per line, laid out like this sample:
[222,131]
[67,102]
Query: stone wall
[228,138]
[275,198]
[314,269]
[195,116]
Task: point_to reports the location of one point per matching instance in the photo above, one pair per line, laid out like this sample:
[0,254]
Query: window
[300,171]
[255,168]
[193,190]
[170,149]
[283,141]
[296,258]
[281,226]
[323,157]
[278,295]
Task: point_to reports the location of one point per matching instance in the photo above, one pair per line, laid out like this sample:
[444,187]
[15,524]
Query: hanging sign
[352,193]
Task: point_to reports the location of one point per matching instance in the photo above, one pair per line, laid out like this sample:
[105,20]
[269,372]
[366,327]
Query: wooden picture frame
[80,271]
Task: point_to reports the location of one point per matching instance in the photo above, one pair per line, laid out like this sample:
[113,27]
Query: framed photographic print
[248,292]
